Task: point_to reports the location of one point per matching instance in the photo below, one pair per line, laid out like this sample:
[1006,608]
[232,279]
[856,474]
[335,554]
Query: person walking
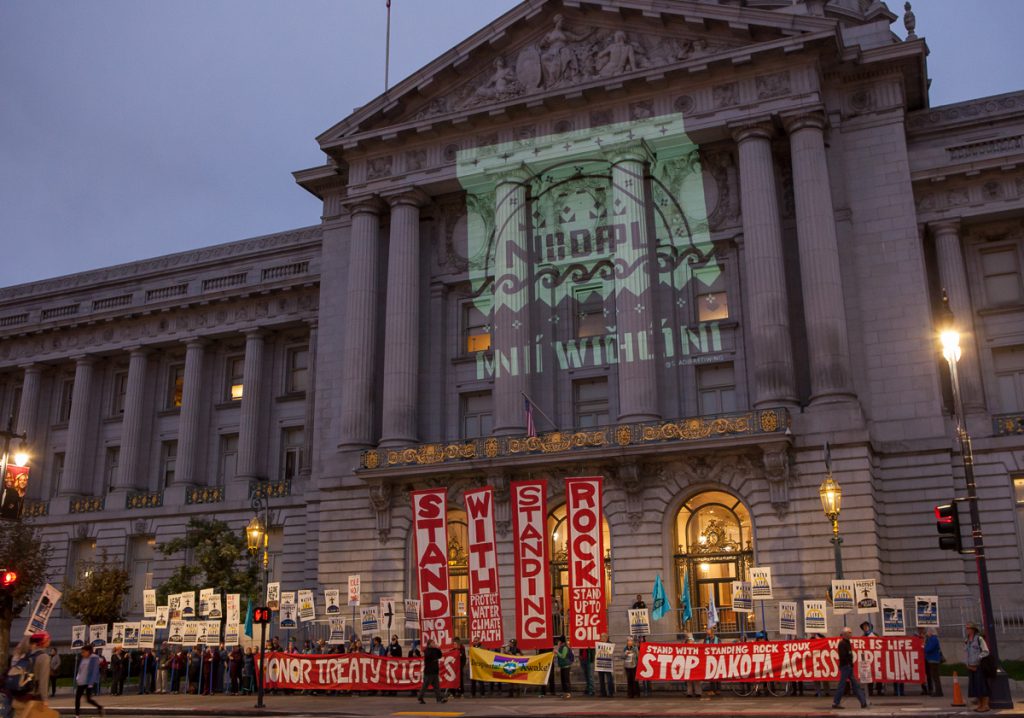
[431,672]
[629,658]
[54,670]
[565,658]
[846,673]
[977,652]
[88,675]
[877,688]
[33,648]
[933,659]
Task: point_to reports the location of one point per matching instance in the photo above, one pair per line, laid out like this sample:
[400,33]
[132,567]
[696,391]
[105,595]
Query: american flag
[531,428]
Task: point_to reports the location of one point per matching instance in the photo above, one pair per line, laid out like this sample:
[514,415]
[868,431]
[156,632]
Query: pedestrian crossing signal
[8,578]
[947,522]
[261,615]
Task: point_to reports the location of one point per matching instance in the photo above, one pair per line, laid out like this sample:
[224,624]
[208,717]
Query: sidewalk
[661,703]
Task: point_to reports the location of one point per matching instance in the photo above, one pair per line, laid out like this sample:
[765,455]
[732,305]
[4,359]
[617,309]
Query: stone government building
[349,362]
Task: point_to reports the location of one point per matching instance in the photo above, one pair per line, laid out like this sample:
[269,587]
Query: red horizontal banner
[889,660]
[354,672]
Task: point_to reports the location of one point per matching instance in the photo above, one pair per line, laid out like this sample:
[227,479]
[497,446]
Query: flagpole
[539,410]
[387,48]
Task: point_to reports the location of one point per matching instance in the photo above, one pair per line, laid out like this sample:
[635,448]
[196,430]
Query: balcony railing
[144,500]
[621,436]
[1008,424]
[204,495]
[87,505]
[271,489]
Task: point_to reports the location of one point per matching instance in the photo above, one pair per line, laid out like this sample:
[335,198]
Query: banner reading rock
[588,619]
[491,667]
[430,531]
[892,660]
[354,672]
[484,590]
[533,577]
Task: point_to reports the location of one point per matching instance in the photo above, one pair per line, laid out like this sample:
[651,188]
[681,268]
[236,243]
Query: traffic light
[261,615]
[8,579]
[947,522]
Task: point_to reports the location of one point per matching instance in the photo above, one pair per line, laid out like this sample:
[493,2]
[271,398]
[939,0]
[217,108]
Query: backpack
[21,677]
[570,657]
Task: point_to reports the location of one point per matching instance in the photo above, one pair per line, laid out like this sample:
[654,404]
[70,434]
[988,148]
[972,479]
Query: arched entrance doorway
[715,547]
[557,530]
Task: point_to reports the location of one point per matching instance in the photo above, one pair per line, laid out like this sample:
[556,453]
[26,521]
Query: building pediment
[540,49]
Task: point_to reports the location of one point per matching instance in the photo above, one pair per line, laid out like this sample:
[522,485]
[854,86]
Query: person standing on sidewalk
[54,671]
[88,675]
[565,658]
[629,658]
[977,652]
[431,672]
[846,671]
[586,657]
[933,659]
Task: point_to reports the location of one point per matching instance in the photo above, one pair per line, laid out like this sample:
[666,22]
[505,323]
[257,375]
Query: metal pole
[1001,697]
[837,541]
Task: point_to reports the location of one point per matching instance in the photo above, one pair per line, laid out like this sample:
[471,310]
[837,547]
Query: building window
[712,306]
[175,385]
[81,560]
[110,462]
[476,329]
[477,414]
[716,388]
[228,458]
[120,390]
[67,389]
[590,320]
[590,402]
[58,473]
[141,552]
[1009,366]
[292,441]
[168,461]
[297,379]
[235,374]
[1001,272]
[15,411]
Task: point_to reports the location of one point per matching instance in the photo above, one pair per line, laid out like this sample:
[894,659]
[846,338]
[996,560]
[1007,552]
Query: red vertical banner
[585,545]
[532,564]
[484,592]
[430,536]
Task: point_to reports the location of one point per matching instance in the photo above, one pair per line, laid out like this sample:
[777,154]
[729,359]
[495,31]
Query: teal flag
[248,619]
[687,604]
[659,604]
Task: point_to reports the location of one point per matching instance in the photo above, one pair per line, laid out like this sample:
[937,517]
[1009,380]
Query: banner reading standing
[533,579]
[585,547]
[484,591]
[430,531]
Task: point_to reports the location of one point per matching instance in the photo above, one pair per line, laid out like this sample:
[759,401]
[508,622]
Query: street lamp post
[257,534]
[950,339]
[831,495]
[12,495]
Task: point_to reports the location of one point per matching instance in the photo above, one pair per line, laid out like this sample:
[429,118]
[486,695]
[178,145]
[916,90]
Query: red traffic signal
[947,523]
[8,578]
[261,615]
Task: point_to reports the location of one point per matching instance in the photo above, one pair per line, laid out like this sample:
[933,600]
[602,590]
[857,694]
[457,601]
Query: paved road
[662,704]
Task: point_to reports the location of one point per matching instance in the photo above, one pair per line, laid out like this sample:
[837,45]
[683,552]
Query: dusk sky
[135,128]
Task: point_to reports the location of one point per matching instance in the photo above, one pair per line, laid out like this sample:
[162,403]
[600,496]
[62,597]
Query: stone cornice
[985,109]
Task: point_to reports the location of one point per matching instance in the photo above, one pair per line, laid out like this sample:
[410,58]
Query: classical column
[824,315]
[129,475]
[359,354]
[28,409]
[250,439]
[402,322]
[953,275]
[638,378]
[310,416]
[764,271]
[190,418]
[511,314]
[81,421]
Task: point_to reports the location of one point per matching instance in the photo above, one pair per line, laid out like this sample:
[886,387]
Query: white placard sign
[332,602]
[354,589]
[149,603]
[761,583]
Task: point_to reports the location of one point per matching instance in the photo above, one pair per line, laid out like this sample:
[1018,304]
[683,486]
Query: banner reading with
[354,672]
[844,599]
[892,660]
[926,610]
[430,533]
[761,583]
[491,667]
[533,577]
[588,619]
[484,591]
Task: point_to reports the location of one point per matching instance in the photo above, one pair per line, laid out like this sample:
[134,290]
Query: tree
[217,551]
[97,598]
[21,551]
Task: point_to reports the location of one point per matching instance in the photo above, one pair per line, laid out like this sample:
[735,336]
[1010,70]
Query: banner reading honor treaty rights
[354,671]
[890,660]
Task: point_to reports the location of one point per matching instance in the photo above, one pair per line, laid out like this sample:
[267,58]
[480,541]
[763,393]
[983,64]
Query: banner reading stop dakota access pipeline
[891,660]
[354,671]
[494,667]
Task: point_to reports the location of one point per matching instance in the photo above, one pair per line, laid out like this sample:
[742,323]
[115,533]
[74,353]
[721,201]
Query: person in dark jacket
[933,659]
[846,671]
[235,662]
[431,672]
[118,671]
